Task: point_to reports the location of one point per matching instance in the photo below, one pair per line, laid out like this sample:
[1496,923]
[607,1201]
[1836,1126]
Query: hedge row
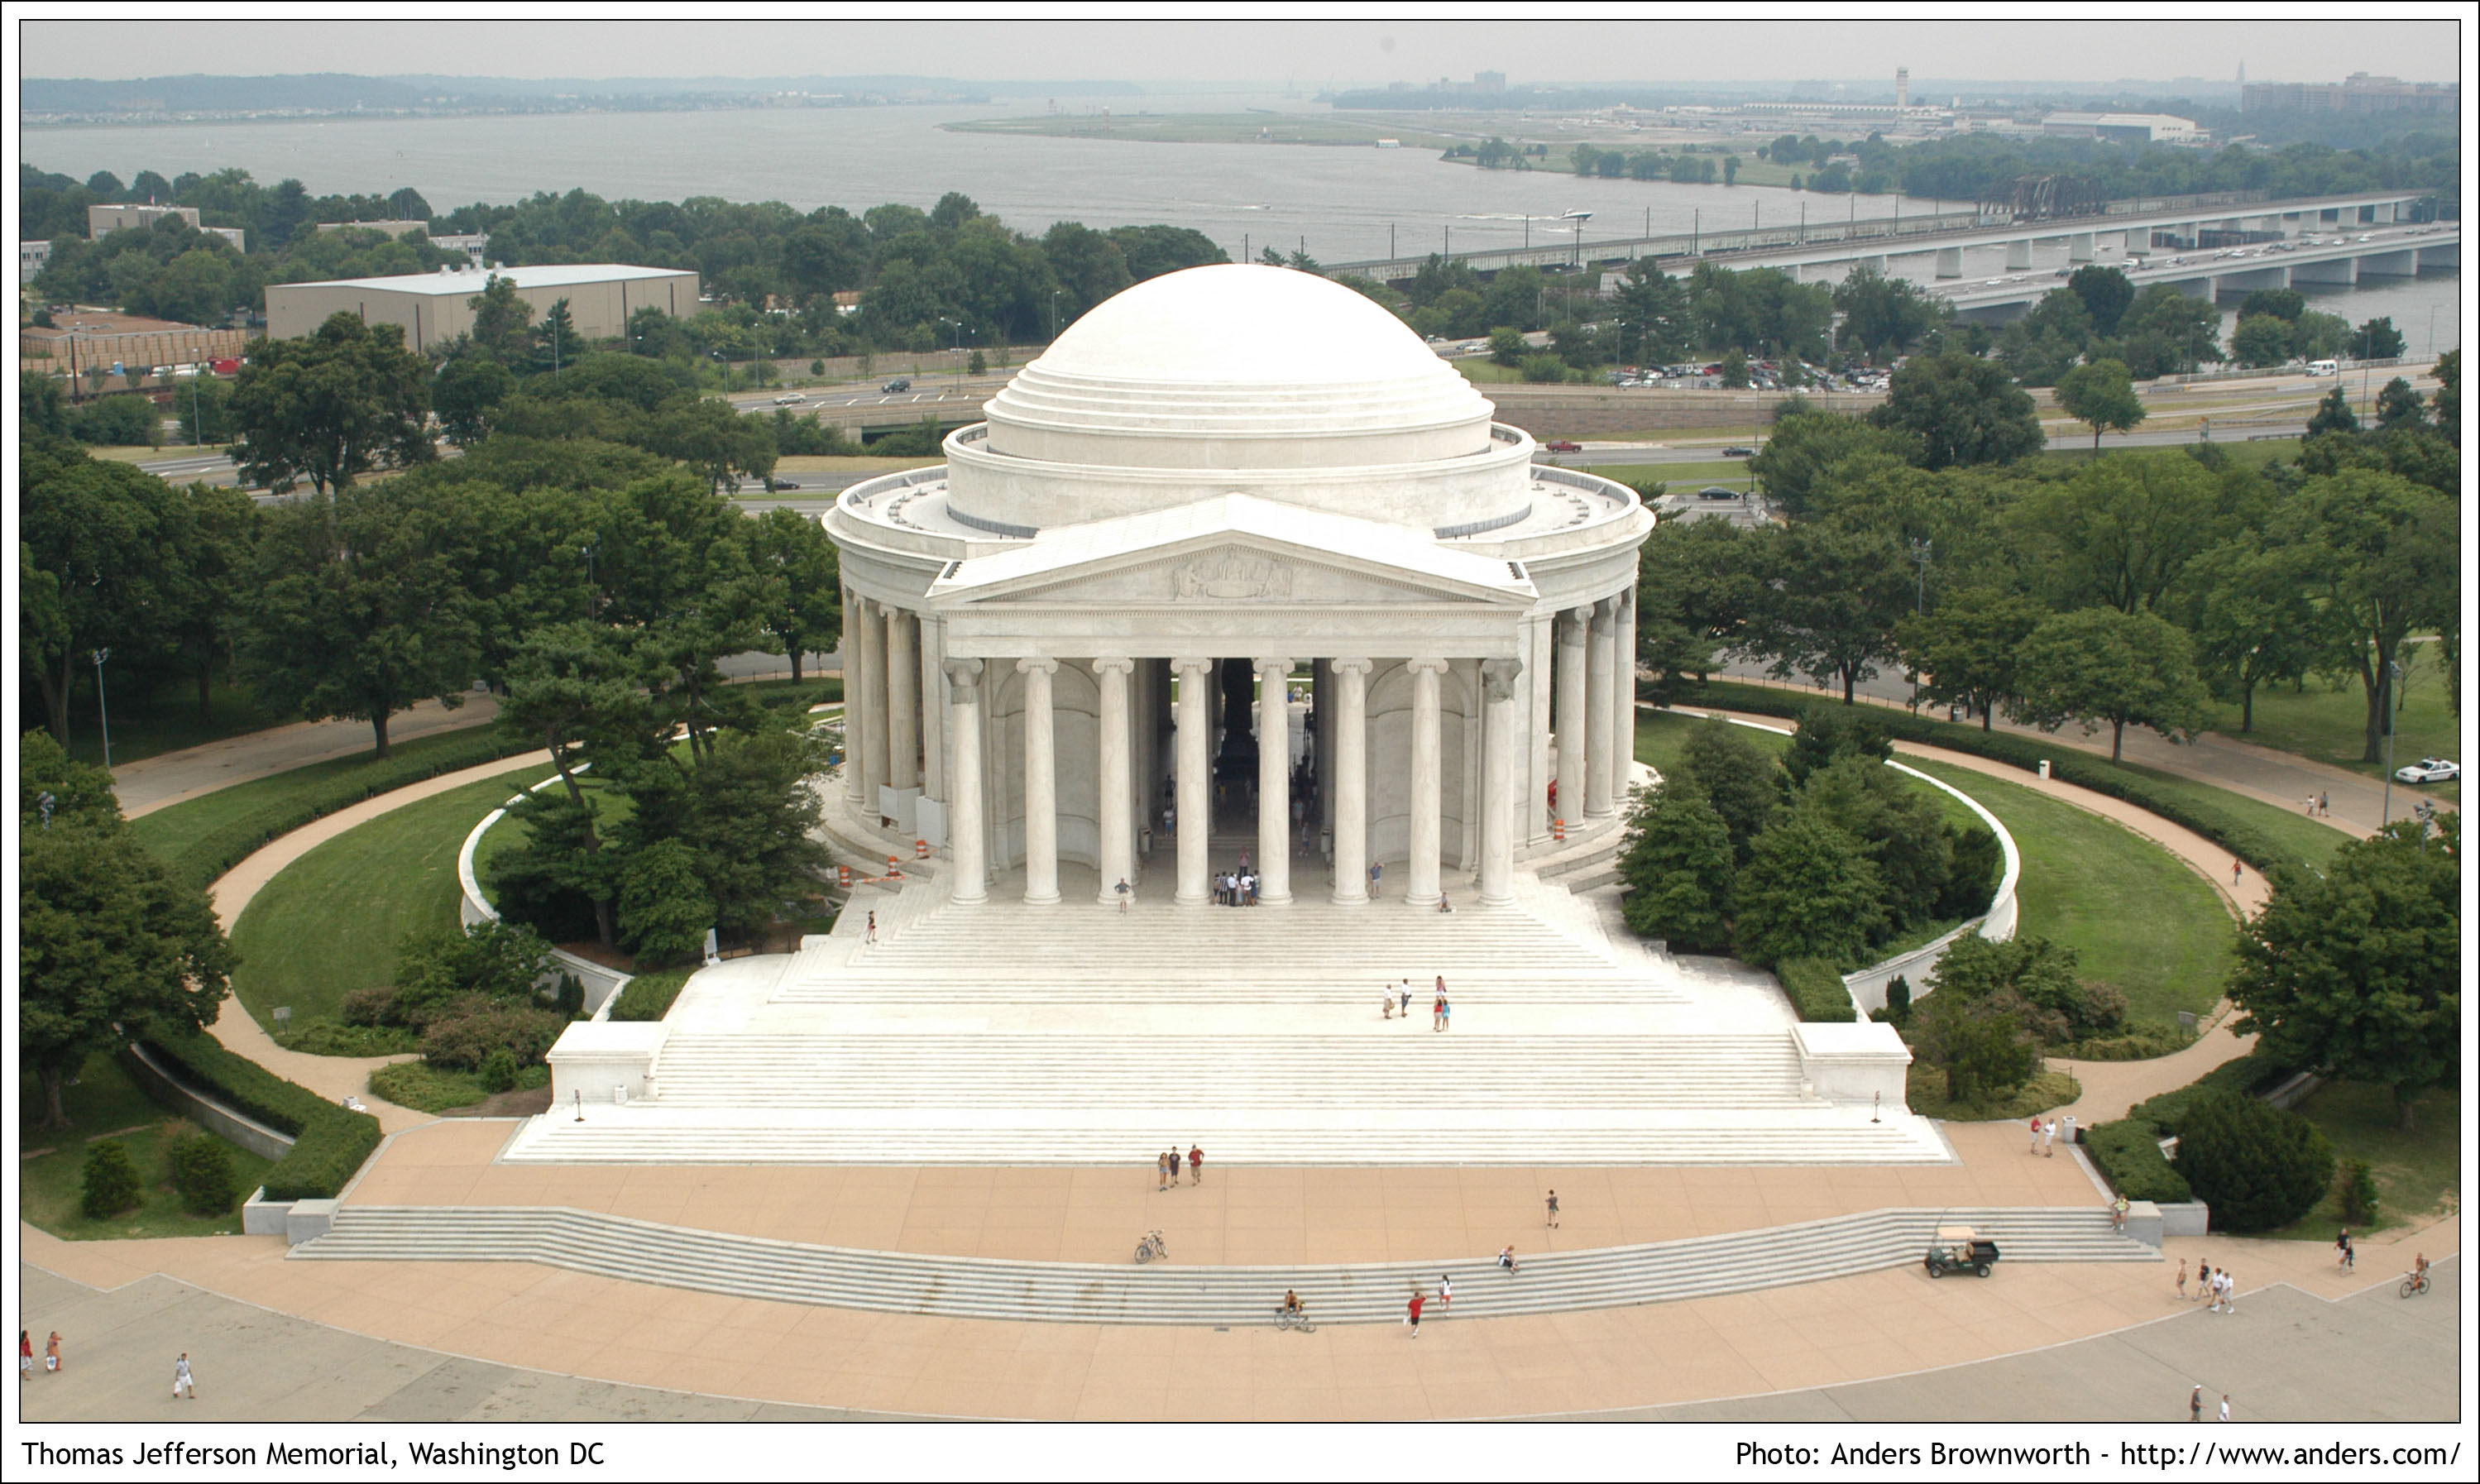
[649,996]
[330,1142]
[2129,1149]
[221,850]
[2069,764]
[1817,992]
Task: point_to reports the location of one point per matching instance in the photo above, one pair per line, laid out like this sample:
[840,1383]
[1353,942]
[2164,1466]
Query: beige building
[436,308]
[391,228]
[103,220]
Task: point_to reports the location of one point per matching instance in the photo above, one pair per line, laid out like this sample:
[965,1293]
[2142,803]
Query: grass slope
[104,1102]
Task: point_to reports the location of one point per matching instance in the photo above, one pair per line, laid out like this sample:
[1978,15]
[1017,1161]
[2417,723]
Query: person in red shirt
[1196,1165]
[1414,1312]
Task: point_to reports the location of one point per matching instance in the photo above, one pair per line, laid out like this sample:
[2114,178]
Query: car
[1564,445]
[2428,771]
[790,400]
[1717,492]
[899,385]
[1736,451]
[774,485]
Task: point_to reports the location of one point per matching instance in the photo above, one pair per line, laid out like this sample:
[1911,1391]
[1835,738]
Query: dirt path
[331,1076]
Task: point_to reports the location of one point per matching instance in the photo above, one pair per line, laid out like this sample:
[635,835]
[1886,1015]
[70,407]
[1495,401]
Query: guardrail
[603,983]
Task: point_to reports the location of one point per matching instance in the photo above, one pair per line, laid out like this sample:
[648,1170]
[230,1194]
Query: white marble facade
[1230,483]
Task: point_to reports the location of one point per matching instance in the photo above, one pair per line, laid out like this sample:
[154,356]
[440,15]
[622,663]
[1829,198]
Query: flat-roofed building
[31,258]
[436,308]
[101,222]
[391,228]
[2121,128]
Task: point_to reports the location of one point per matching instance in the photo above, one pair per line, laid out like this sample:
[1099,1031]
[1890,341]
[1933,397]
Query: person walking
[2230,1293]
[1446,1014]
[1162,1172]
[2118,1213]
[1553,1203]
[1406,1009]
[2183,1285]
[2226,1406]
[2196,1397]
[869,933]
[2049,1137]
[1413,1314]
[25,1354]
[2343,1245]
[1386,1002]
[1376,871]
[2234,874]
[182,1379]
[2325,806]
[1126,892]
[2034,1147]
[52,1352]
[2213,1291]
[1196,1165]
[1446,1291]
[2204,1281]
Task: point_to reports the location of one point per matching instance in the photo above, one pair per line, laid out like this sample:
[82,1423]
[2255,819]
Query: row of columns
[1594,708]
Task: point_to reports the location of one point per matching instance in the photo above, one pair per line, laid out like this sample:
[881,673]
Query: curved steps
[632,1250]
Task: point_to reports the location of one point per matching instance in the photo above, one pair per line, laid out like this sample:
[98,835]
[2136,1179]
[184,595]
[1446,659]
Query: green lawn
[166,719]
[329,922]
[2418,1174]
[105,1101]
[2329,724]
[2136,917]
[172,831]
[1679,479]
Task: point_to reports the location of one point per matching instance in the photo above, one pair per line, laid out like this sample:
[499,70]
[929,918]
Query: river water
[1342,202]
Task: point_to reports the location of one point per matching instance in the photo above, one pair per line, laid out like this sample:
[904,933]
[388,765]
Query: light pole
[1054,294]
[1920,600]
[103,710]
[1580,218]
[959,351]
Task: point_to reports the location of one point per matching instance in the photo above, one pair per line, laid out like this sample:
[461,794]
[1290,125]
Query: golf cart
[1959,1249]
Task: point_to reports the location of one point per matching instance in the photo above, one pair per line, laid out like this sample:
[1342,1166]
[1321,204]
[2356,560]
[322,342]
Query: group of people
[26,1352]
[2210,1283]
[2320,806]
[1237,888]
[1167,1168]
[1395,1000]
[2045,1134]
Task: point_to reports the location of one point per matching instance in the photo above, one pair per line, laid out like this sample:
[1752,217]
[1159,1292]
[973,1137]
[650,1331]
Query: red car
[1563,446]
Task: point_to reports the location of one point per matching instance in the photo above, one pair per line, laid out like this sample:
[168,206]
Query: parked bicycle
[1152,1247]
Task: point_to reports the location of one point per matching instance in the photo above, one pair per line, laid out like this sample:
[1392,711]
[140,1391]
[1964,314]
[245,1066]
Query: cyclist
[1293,1309]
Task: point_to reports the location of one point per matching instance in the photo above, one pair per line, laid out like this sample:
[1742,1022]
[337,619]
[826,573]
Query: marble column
[934,708]
[1498,781]
[856,769]
[872,730]
[903,714]
[1041,787]
[1273,782]
[1599,672]
[1623,699]
[1349,779]
[1193,819]
[1119,835]
[1570,721]
[965,826]
[1421,871]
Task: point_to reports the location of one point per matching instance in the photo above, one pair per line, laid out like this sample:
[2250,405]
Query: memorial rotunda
[1223,485]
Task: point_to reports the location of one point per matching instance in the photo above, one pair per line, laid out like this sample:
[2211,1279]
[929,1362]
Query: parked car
[899,385]
[2429,771]
[1564,445]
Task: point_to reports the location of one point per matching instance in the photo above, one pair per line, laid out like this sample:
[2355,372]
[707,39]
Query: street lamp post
[103,709]
[1920,601]
[1054,294]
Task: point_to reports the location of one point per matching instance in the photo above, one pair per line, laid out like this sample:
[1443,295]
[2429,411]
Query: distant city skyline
[2428,46]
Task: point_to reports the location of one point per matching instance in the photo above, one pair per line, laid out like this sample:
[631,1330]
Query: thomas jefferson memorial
[1239,576]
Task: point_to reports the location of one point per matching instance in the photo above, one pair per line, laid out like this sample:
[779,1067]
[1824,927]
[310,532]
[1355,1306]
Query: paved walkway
[166,779]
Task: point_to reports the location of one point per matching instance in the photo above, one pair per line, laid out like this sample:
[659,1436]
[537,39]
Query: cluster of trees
[2100,315]
[2121,592]
[1995,1007]
[1825,855]
[1969,167]
[52,206]
[1686,168]
[2276,326]
[487,1000]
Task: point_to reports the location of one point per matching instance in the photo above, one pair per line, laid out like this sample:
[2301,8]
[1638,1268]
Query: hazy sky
[1411,47]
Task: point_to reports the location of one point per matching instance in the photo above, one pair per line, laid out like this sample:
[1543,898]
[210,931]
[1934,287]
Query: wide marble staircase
[1168,1292]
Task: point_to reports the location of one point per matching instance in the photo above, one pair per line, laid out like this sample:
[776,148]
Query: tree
[2106,292]
[1697,589]
[2284,304]
[1980,1045]
[1900,827]
[1735,776]
[107,939]
[335,405]
[1805,444]
[1507,347]
[1677,868]
[2256,1166]
[467,392]
[2099,665]
[2261,340]
[2100,396]
[104,549]
[2358,969]
[2448,396]
[799,601]
[1654,321]
[574,686]
[2036,971]
[1969,649]
[1809,891]
[1964,409]
[2378,340]
[501,317]
[109,1184]
[2255,616]
[2121,530]
[2399,406]
[2384,566]
[2164,329]
[1835,596]
[1881,316]
[1825,735]
[556,338]
[363,606]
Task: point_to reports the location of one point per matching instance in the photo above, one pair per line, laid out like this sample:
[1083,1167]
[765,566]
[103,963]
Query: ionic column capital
[1116,663]
[1580,615]
[1350,666]
[1426,667]
[1191,665]
[964,681]
[1498,677]
[1605,611]
[1277,663]
[1030,666]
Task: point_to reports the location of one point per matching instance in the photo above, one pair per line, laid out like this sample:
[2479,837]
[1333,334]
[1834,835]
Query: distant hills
[340,91]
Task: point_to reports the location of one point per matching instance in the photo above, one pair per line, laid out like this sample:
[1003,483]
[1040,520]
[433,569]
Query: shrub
[2141,1044]
[649,996]
[570,1001]
[375,1005]
[1982,1045]
[2129,1153]
[110,1182]
[2256,1165]
[202,1172]
[1817,992]
[463,1042]
[495,962]
[1899,1000]
[664,909]
[2359,1193]
[319,1036]
[499,1070]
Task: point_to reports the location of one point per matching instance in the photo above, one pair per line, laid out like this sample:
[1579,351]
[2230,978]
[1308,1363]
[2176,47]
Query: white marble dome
[1239,379]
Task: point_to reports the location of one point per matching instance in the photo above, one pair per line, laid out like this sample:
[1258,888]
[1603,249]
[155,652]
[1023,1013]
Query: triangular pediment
[1237,573]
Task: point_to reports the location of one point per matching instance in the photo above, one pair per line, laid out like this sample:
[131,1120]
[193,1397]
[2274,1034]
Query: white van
[2324,369]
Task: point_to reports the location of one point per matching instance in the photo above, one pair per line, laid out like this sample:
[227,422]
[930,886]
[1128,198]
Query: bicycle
[2413,1283]
[1152,1247]
[1293,1319]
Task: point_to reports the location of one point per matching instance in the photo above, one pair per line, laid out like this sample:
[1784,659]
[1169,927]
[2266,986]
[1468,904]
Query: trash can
[1146,841]
[2045,768]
